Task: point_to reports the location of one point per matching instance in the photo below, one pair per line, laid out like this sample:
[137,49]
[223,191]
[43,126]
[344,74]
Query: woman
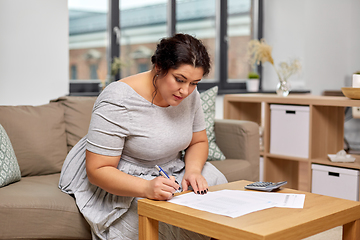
[138,122]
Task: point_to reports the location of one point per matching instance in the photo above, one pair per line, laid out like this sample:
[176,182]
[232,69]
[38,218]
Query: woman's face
[177,84]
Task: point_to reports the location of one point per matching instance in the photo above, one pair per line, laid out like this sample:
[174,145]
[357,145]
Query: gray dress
[124,123]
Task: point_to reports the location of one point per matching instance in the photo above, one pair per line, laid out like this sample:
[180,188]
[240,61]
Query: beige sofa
[41,136]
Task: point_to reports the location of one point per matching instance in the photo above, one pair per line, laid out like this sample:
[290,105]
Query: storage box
[335,182]
[289,130]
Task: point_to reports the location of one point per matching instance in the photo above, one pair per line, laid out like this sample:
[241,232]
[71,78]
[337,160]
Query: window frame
[221,52]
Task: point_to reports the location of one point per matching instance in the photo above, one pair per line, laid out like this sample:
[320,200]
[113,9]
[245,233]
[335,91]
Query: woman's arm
[195,158]
[102,171]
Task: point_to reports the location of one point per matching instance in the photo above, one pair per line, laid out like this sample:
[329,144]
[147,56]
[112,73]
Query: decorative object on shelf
[260,51]
[252,83]
[354,91]
[341,156]
[356,80]
[351,92]
[283,88]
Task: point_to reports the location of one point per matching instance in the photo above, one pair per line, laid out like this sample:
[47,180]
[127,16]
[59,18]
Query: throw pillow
[208,100]
[9,167]
[37,134]
[77,117]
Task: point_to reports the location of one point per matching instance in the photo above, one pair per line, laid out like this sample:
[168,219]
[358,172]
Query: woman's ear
[157,71]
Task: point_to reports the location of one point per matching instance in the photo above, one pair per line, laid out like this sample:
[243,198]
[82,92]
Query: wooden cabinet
[326,132]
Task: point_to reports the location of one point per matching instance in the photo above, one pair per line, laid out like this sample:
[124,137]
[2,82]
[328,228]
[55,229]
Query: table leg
[148,228]
[351,231]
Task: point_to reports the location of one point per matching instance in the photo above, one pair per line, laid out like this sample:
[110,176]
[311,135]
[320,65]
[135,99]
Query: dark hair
[180,49]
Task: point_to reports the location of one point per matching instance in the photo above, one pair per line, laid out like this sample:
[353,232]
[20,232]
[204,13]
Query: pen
[164,174]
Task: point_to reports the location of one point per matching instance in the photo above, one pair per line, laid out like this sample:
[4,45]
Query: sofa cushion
[234,169]
[35,208]
[208,100]
[239,139]
[9,167]
[37,134]
[77,117]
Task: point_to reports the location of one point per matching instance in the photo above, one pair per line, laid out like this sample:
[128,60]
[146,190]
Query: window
[142,24]
[87,38]
[224,26]
[239,34]
[197,18]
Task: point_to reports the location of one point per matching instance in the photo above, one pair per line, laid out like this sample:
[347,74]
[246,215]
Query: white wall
[324,34]
[33,51]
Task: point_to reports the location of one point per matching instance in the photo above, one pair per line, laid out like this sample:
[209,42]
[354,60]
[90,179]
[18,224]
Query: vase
[283,88]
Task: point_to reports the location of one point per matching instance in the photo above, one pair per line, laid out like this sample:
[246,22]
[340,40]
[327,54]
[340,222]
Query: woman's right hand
[161,188]
[102,171]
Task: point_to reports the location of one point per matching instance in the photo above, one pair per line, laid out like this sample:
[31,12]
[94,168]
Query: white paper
[235,203]
[278,199]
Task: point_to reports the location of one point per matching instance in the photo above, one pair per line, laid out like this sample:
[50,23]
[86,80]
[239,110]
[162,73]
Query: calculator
[265,186]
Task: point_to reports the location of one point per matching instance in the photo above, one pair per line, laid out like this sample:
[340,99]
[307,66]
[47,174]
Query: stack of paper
[235,203]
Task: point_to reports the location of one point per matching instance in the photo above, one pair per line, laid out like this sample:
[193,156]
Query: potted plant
[260,51]
[253,75]
[252,83]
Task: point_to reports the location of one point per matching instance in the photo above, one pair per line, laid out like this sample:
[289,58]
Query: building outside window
[143,67]
[73,72]
[197,18]
[142,25]
[87,37]
[239,31]
[93,71]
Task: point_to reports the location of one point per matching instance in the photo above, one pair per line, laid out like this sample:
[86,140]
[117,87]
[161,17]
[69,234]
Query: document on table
[235,203]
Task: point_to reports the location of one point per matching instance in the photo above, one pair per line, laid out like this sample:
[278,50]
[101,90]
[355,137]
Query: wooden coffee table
[319,214]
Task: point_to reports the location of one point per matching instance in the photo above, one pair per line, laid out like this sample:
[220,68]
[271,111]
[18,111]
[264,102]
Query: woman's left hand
[195,158]
[196,181]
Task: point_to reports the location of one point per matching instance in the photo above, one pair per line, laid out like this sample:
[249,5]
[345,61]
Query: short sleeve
[109,124]
[199,118]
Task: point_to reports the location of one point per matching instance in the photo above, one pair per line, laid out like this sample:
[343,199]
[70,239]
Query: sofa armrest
[239,139]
